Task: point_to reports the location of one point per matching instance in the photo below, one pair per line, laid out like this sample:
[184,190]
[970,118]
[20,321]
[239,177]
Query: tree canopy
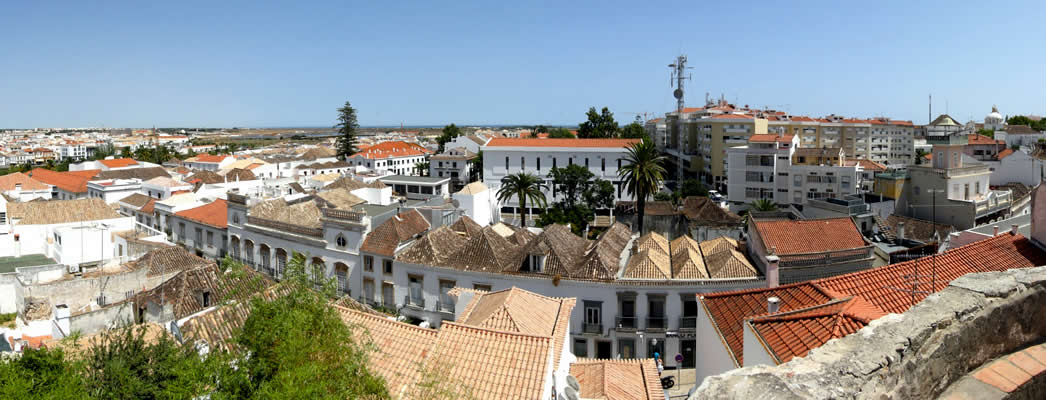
[346,126]
[449,133]
[560,133]
[580,194]
[1039,125]
[599,124]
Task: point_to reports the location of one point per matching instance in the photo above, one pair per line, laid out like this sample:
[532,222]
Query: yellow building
[890,184]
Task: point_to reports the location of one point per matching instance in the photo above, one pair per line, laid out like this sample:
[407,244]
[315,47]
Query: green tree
[346,126]
[571,182]
[125,152]
[693,187]
[541,129]
[635,130]
[448,134]
[986,132]
[41,374]
[764,205]
[103,151]
[523,187]
[297,346]
[599,124]
[560,133]
[600,194]
[422,168]
[642,174]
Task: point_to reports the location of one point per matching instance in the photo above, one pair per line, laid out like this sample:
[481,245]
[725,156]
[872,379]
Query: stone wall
[914,355]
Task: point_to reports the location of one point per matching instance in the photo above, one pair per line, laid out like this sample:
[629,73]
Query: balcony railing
[414,302]
[656,323]
[335,213]
[626,324]
[687,323]
[445,307]
[592,328]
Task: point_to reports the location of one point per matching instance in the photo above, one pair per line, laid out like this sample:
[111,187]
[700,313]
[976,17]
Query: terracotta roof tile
[770,138]
[618,379]
[8,182]
[133,173]
[809,236]
[400,349]
[118,162]
[878,286]
[526,142]
[207,158]
[61,211]
[1003,154]
[653,240]
[69,181]
[390,234]
[434,248]
[787,334]
[466,226]
[167,261]
[137,200]
[215,214]
[649,264]
[392,149]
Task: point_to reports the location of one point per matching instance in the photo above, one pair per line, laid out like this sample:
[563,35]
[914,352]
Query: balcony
[592,328]
[656,323]
[445,307]
[687,323]
[625,324]
[414,302]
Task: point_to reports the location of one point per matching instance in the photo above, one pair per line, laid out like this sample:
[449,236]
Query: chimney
[1013,229]
[900,231]
[772,278]
[773,305]
[995,230]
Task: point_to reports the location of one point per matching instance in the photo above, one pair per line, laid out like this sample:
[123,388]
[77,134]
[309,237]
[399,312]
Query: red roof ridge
[460,325]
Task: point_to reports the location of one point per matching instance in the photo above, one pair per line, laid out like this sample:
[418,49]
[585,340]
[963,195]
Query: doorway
[604,350]
[687,349]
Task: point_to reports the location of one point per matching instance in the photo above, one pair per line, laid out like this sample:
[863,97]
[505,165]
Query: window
[199,236]
[506,163]
[446,303]
[553,163]
[368,263]
[586,162]
[593,313]
[206,299]
[482,286]
[619,163]
[977,187]
[210,238]
[538,160]
[340,241]
[386,266]
[581,347]
[181,230]
[570,160]
[414,284]
[798,180]
[368,290]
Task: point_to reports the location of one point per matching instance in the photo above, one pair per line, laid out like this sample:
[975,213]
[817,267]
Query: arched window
[340,240]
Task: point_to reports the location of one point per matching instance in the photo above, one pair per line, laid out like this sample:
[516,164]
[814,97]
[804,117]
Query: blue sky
[227,63]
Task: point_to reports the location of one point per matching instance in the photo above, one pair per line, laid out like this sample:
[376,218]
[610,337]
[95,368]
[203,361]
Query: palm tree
[764,205]
[522,186]
[642,173]
[422,168]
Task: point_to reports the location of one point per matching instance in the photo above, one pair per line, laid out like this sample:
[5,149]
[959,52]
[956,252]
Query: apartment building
[697,138]
[203,229]
[393,157]
[453,163]
[506,156]
[773,167]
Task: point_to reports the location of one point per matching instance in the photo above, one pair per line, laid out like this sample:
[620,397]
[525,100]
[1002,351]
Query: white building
[418,187]
[453,163]
[477,202]
[208,162]
[163,187]
[21,187]
[73,232]
[395,157]
[505,156]
[1017,166]
[203,229]
[112,190]
[771,167]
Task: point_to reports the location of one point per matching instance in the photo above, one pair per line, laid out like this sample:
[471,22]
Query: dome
[994,116]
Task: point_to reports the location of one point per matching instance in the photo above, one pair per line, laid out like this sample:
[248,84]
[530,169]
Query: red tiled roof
[207,158]
[769,138]
[392,149]
[785,333]
[981,139]
[215,214]
[693,109]
[69,181]
[119,162]
[731,116]
[149,207]
[526,142]
[810,236]
[866,164]
[1003,154]
[8,182]
[881,287]
[387,237]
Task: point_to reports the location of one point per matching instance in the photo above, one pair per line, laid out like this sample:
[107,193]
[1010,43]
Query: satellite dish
[570,394]
[455,203]
[678,93]
[572,382]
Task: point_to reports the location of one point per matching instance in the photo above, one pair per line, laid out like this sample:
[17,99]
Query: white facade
[404,165]
[159,189]
[478,202]
[764,170]
[205,240]
[1017,167]
[87,243]
[500,161]
[112,190]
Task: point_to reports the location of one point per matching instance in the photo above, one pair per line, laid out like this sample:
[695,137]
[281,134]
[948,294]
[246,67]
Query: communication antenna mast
[679,75]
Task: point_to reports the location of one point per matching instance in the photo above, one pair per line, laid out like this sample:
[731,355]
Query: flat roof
[8,264]
[1022,221]
[431,180]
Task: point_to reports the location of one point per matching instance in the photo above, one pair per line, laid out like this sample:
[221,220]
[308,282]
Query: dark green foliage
[1039,125]
[346,126]
[449,133]
[476,171]
[523,187]
[986,132]
[642,174]
[693,187]
[599,124]
[41,374]
[764,205]
[635,130]
[581,194]
[560,133]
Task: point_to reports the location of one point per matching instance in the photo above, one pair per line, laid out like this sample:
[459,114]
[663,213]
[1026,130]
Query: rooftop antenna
[679,75]
[929,112]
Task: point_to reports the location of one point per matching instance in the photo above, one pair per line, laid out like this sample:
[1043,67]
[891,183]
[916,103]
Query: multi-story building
[657,129]
[393,157]
[203,229]
[984,148]
[697,138]
[453,163]
[772,167]
[952,190]
[506,156]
